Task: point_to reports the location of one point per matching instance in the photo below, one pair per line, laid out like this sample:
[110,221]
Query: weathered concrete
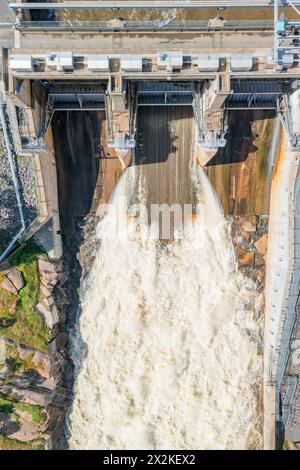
[277,282]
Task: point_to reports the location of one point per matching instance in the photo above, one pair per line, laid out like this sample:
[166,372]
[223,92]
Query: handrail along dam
[154,86]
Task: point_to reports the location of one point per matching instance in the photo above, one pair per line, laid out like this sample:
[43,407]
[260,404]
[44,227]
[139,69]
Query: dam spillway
[169,159]
[161,394]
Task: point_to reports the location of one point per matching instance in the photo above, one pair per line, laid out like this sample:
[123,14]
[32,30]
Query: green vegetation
[37,414]
[13,444]
[29,328]
[6,405]
[15,363]
[6,301]
[11,407]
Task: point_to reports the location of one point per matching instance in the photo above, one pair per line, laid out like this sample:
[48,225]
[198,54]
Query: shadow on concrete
[240,137]
[41,15]
[156,142]
[76,142]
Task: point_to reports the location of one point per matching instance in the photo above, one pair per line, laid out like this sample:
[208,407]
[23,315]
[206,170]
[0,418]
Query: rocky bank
[33,360]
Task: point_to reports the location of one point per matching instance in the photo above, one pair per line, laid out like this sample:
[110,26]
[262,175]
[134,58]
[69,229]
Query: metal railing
[144,25]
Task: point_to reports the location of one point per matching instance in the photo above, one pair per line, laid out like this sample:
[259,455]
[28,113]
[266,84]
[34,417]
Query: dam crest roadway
[186,4]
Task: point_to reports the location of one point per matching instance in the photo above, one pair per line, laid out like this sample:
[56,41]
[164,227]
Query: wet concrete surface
[76,143]
[166,143]
[241,173]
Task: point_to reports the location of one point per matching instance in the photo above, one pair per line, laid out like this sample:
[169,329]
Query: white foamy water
[171,333]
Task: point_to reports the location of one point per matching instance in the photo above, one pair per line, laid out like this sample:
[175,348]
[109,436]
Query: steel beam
[242,25]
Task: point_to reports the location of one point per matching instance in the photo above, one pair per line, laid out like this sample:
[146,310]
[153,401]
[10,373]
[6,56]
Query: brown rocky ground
[249,236]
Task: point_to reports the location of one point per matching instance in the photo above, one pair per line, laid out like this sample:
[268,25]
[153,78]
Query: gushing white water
[171,339]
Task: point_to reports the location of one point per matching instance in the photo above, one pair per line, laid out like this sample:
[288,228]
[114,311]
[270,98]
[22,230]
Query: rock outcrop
[6,284]
[249,236]
[262,244]
[49,276]
[31,378]
[13,281]
[15,276]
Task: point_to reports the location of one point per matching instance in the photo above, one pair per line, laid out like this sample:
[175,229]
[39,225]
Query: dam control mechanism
[212,83]
[223,66]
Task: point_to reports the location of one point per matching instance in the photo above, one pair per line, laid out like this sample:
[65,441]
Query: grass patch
[13,444]
[29,328]
[7,407]
[15,363]
[10,407]
[36,412]
[6,300]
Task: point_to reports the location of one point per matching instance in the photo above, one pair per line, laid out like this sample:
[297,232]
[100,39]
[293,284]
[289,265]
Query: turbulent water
[170,334]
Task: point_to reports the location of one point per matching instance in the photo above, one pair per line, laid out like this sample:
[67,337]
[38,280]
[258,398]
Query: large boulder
[45,291]
[55,314]
[48,302]
[37,396]
[262,244]
[26,431]
[16,277]
[25,379]
[40,360]
[24,351]
[6,284]
[49,279]
[45,266]
[50,317]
